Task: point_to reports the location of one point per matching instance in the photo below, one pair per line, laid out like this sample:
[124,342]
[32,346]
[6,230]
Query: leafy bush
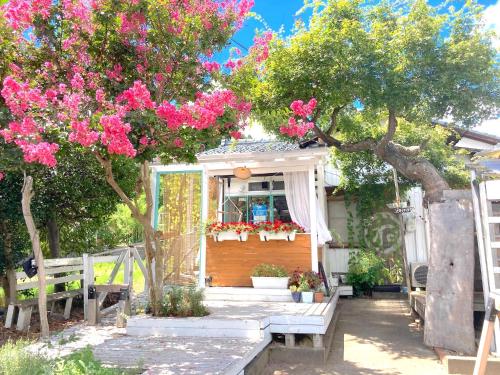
[15,360]
[182,302]
[269,270]
[366,269]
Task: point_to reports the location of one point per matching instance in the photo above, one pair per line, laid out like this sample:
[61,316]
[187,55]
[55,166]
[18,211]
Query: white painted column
[204,218]
[312,215]
[322,205]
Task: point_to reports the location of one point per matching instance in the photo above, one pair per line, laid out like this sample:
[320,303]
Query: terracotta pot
[318,297]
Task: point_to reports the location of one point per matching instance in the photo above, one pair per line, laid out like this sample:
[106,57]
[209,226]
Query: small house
[242,182]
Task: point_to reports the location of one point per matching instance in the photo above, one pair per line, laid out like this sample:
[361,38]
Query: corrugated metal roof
[249,146]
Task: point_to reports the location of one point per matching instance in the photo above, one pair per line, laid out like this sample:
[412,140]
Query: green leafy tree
[380,74]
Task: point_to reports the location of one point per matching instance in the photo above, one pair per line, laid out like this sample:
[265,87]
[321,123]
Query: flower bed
[278,230]
[237,231]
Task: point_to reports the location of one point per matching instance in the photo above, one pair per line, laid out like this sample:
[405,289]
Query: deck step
[197,327]
[247,294]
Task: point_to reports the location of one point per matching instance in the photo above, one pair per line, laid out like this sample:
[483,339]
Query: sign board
[402,210]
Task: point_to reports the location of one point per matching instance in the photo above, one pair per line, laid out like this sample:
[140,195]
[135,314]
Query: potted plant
[314,282]
[278,230]
[269,276]
[237,231]
[307,294]
[296,293]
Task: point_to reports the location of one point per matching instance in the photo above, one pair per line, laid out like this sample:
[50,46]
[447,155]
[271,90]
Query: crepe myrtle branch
[333,119]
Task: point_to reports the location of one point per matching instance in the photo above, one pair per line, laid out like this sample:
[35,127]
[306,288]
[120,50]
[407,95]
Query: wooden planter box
[231,263]
[230,236]
[270,282]
[286,236]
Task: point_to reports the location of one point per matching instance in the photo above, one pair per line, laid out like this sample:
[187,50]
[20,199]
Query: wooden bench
[21,310]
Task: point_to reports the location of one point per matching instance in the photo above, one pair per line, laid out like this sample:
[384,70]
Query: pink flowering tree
[121,79]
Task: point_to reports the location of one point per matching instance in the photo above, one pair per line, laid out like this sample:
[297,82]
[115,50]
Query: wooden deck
[252,319]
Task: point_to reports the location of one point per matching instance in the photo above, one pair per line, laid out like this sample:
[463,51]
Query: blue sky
[278,13]
[281,13]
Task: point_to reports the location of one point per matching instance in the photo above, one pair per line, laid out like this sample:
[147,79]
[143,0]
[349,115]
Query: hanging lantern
[243,173]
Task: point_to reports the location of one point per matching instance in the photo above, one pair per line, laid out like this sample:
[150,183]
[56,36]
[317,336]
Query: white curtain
[297,198]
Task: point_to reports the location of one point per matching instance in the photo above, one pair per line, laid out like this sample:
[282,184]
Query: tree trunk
[35,244]
[9,279]
[415,169]
[53,239]
[152,244]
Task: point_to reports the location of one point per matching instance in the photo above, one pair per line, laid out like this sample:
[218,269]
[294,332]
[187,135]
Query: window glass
[280,209]
[259,209]
[235,209]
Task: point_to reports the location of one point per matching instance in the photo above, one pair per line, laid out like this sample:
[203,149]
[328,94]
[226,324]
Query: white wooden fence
[127,256]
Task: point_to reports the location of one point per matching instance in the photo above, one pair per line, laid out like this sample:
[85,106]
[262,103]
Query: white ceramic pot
[307,297]
[230,235]
[270,282]
[287,236]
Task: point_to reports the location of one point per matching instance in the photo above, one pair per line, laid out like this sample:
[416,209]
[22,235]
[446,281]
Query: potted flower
[307,294]
[269,276]
[237,231]
[296,293]
[314,282]
[278,230]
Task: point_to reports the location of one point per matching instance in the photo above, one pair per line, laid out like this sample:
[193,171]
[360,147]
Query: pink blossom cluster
[114,136]
[204,112]
[136,97]
[261,46]
[40,152]
[299,128]
[2,175]
[303,110]
[79,102]
[211,66]
[20,13]
[82,134]
[20,97]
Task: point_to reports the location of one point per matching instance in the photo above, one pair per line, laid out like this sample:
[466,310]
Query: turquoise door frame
[157,172]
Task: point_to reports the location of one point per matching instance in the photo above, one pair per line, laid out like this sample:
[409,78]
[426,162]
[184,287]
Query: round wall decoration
[243,173]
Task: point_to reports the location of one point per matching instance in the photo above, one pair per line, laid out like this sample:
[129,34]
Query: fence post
[88,279]
[130,261]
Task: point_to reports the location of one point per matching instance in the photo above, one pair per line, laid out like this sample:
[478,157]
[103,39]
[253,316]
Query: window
[254,201]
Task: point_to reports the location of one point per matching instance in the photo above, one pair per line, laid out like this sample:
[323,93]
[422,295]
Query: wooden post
[88,280]
[204,218]
[313,219]
[92,305]
[323,208]
[290,340]
[142,267]
[483,351]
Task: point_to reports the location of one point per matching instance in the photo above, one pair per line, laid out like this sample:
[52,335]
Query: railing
[127,256]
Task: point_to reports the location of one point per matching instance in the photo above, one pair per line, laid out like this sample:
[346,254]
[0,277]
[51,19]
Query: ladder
[486,198]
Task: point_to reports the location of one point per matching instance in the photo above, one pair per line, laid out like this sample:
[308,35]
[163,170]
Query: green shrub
[366,269]
[183,301]
[15,360]
[269,270]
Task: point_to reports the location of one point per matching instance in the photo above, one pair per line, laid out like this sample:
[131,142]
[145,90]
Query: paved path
[373,337]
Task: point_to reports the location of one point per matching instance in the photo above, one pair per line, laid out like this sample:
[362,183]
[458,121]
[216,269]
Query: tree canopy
[369,67]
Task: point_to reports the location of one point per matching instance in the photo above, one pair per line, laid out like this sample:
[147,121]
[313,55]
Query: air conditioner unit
[419,274]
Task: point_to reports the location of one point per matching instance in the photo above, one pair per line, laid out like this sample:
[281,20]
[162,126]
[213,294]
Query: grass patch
[15,360]
[101,273]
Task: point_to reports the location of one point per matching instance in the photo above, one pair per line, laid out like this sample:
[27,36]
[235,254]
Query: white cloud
[491,17]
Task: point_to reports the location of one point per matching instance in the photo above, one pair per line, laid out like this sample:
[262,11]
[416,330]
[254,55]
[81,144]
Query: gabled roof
[250,146]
